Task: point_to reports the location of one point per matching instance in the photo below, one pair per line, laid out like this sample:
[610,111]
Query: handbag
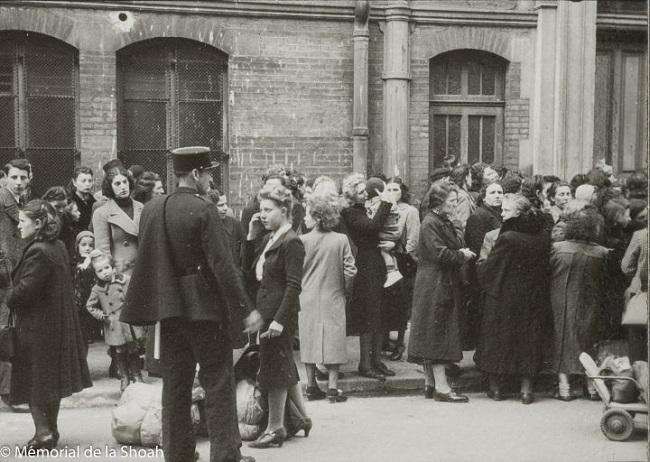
[8,339]
[194,289]
[636,310]
[405,262]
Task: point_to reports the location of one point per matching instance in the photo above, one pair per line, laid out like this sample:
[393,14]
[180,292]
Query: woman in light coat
[328,273]
[115,223]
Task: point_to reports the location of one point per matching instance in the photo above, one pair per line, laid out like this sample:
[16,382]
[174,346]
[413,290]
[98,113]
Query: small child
[105,304]
[391,232]
[83,279]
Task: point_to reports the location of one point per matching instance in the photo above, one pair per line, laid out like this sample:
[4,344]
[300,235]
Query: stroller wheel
[617,424]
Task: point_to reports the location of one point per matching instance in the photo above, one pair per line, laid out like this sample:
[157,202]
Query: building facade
[325,86]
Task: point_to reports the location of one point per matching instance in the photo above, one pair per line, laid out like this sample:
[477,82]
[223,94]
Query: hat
[111,164]
[192,157]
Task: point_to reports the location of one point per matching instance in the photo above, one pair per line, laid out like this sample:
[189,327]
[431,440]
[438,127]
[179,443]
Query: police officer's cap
[192,157]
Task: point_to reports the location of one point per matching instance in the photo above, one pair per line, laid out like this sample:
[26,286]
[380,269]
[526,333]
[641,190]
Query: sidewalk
[409,378]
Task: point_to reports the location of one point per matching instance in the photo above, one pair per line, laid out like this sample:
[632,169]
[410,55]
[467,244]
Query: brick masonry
[289,86]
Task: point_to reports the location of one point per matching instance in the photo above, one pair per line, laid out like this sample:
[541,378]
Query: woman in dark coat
[437,296]
[277,267]
[484,219]
[515,278]
[50,361]
[578,287]
[364,316]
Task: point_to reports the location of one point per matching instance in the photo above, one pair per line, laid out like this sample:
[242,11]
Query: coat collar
[118,278]
[8,202]
[117,217]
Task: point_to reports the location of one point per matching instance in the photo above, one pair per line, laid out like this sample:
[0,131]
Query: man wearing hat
[184,278]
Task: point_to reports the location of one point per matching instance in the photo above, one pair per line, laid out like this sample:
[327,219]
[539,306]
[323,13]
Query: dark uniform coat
[50,361]
[515,278]
[578,287]
[10,242]
[364,309]
[437,296]
[156,274]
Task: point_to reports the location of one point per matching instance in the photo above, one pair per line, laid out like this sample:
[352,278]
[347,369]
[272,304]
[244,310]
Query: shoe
[268,439]
[527,398]
[320,375]
[247,459]
[314,393]
[305,426]
[196,456]
[372,374]
[566,398]
[392,277]
[336,396]
[450,397]
[47,442]
[593,396]
[381,367]
[428,392]
[398,353]
[495,395]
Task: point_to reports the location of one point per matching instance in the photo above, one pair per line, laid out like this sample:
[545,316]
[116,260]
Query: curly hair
[143,191]
[350,184]
[20,164]
[477,175]
[324,184]
[279,195]
[39,209]
[521,202]
[324,210]
[637,185]
[613,210]
[584,225]
[107,182]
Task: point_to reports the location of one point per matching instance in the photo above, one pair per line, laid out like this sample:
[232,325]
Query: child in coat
[83,279]
[105,304]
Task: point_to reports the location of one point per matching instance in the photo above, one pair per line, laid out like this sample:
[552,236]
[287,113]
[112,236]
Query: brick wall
[516,117]
[375,98]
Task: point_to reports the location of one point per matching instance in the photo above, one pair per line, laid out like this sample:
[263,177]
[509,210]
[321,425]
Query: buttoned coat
[50,361]
[328,273]
[196,239]
[108,298]
[437,296]
[278,291]
[10,241]
[116,234]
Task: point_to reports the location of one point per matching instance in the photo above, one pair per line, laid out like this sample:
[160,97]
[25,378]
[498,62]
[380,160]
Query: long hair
[107,183]
[406,195]
[39,209]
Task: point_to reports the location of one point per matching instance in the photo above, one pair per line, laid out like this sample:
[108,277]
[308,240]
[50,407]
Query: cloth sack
[636,310]
[249,403]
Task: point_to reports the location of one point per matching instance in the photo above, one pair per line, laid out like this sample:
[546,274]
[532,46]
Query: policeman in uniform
[182,235]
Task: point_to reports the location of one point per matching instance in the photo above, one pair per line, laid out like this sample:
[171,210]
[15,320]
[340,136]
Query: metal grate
[171,94]
[38,106]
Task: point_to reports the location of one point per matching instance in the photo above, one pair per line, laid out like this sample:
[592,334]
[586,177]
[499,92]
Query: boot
[43,437]
[135,373]
[123,368]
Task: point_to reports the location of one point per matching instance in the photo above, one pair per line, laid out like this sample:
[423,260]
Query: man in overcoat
[18,173]
[181,235]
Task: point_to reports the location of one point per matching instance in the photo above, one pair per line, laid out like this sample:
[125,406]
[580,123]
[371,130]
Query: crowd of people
[528,271]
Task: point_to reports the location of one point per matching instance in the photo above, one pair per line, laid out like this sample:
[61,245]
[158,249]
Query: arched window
[466,104]
[171,94]
[38,106]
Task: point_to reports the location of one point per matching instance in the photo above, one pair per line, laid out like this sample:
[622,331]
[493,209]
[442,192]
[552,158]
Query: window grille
[466,107]
[171,94]
[38,106]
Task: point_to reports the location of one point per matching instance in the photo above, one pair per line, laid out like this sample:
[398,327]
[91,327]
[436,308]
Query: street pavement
[377,429]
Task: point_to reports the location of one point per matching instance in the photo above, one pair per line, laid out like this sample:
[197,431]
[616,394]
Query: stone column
[360,36]
[396,78]
[565,69]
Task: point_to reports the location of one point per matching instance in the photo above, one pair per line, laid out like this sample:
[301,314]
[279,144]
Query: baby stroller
[619,419]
